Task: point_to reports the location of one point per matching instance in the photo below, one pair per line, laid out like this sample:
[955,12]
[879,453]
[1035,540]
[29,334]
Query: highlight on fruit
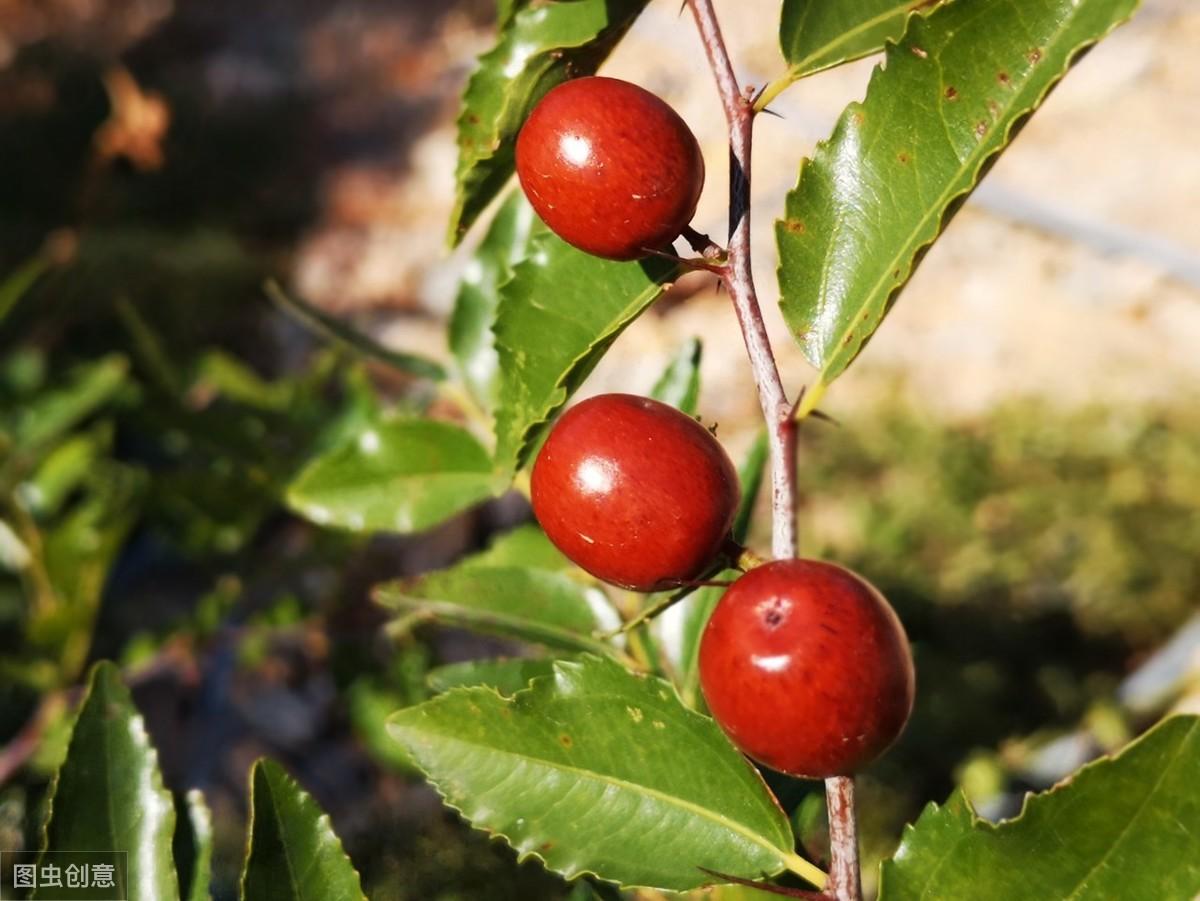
[807,668]
[609,167]
[635,492]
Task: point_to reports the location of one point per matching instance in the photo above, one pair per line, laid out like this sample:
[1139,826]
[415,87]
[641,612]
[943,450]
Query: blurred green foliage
[1034,553]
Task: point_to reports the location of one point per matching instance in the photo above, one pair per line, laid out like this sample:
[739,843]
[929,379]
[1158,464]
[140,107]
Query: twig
[740,108]
[844,881]
[738,279]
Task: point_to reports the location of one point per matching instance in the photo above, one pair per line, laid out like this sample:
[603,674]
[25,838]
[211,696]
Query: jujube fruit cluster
[609,167]
[807,668]
[634,491]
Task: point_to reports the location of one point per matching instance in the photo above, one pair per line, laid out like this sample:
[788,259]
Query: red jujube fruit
[609,167]
[806,667]
[634,492]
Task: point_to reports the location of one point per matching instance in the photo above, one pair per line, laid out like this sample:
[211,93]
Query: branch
[777,411]
[844,880]
[739,280]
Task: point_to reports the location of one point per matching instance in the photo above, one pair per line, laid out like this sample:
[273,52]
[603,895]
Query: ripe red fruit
[807,668]
[634,492]
[610,167]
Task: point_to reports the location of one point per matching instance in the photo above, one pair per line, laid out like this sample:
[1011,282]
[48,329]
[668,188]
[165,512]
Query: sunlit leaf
[596,770]
[399,476]
[192,846]
[535,605]
[557,316]
[293,853]
[109,794]
[540,45]
[818,34]
[679,385]
[506,675]
[471,341]
[948,98]
[1125,827]
[525,546]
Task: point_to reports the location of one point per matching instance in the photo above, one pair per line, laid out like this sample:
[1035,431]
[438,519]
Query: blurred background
[1016,461]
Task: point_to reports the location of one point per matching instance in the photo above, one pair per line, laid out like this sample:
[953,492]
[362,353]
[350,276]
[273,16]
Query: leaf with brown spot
[868,220]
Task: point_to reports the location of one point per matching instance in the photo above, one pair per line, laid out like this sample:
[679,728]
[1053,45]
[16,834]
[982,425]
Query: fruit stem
[739,108]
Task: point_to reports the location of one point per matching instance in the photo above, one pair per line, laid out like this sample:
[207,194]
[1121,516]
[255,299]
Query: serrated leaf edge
[514,458]
[166,812]
[944,203]
[322,822]
[958,799]
[801,69]
[523,855]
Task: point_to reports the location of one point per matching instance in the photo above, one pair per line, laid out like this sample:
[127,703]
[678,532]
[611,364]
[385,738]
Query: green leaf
[109,794]
[891,176]
[818,34]
[557,316]
[471,342]
[540,46]
[89,387]
[334,329]
[548,608]
[18,282]
[694,612]
[507,676]
[596,770]
[750,477]
[293,853]
[526,546]
[192,846]
[218,372]
[399,476]
[1125,827]
[679,385]
[77,554]
[65,468]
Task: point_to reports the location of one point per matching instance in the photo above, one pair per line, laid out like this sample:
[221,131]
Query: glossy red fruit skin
[807,668]
[635,492]
[609,167]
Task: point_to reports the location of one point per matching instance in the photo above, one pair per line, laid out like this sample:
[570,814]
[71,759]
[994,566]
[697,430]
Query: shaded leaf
[818,34]
[507,676]
[77,553]
[679,385]
[399,476]
[470,331]
[192,846]
[693,615]
[339,332]
[540,606]
[750,477]
[293,853]
[887,181]
[1122,827]
[688,620]
[557,317]
[112,767]
[596,770]
[18,282]
[540,45]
